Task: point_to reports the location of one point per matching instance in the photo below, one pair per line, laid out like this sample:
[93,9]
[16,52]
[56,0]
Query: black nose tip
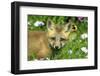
[56,47]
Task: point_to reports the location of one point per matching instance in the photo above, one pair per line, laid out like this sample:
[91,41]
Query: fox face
[58,35]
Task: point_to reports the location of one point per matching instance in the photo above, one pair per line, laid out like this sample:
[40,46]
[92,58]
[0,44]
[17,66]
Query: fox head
[58,35]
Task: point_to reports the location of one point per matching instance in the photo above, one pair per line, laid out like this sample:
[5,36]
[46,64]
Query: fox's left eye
[62,39]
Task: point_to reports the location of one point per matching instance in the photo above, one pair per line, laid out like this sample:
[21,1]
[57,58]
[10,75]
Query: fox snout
[57,42]
[57,45]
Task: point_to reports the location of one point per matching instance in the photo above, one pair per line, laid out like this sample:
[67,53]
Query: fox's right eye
[53,38]
[62,39]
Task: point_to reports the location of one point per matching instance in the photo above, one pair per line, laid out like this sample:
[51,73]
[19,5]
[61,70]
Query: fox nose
[56,47]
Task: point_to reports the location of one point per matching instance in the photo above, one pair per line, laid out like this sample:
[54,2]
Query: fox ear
[67,27]
[50,24]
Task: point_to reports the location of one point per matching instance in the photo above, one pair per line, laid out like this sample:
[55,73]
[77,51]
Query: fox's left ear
[67,27]
[70,27]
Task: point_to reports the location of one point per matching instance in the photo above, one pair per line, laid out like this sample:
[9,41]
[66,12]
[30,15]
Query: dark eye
[62,39]
[53,38]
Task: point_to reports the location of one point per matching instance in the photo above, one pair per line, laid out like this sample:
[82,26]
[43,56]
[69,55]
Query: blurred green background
[77,46]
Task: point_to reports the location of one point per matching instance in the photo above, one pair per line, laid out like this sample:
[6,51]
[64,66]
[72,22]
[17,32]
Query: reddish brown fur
[38,44]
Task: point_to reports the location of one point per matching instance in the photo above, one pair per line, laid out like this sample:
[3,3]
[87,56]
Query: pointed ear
[67,27]
[50,24]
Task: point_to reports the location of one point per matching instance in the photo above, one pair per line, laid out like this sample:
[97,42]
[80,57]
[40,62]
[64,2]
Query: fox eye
[62,39]
[53,38]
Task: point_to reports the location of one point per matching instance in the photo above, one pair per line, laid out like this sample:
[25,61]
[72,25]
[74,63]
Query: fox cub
[41,42]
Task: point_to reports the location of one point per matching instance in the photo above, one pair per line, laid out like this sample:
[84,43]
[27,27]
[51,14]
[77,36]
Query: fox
[56,36]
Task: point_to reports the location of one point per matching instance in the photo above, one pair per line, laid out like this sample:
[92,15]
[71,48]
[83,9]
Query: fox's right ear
[50,24]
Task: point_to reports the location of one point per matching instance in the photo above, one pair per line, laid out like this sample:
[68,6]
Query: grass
[73,48]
